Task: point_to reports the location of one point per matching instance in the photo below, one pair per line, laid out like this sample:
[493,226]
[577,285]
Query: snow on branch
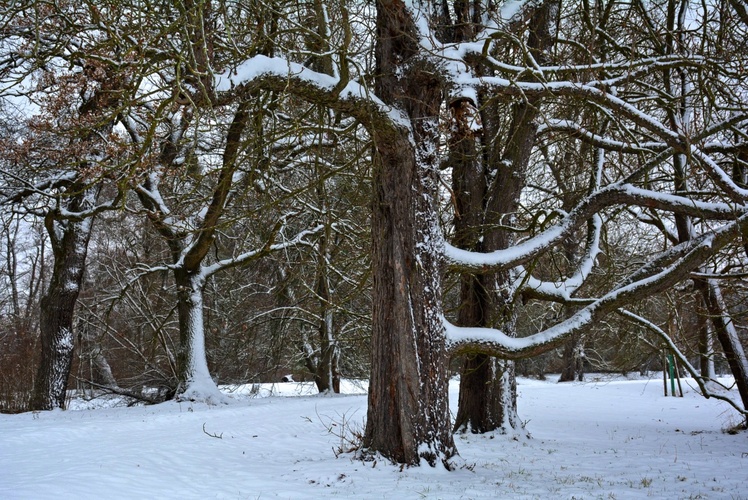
[673,266]
[49,189]
[703,382]
[563,290]
[281,74]
[578,131]
[42,188]
[589,91]
[614,194]
[268,248]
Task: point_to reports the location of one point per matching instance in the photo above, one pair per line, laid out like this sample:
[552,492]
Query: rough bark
[408,413]
[488,399]
[488,396]
[70,245]
[480,399]
[479,404]
[195,382]
[479,407]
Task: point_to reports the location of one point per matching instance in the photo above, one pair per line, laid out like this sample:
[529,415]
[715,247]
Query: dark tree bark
[69,241]
[488,395]
[728,338]
[573,360]
[408,413]
[479,405]
[325,366]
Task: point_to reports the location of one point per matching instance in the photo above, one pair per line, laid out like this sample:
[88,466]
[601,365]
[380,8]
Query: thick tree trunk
[573,355]
[327,375]
[488,394]
[479,404]
[408,411]
[479,407]
[488,389]
[70,246]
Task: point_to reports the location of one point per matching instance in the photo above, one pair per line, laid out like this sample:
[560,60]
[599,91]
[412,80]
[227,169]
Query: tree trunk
[70,246]
[408,411]
[488,394]
[573,360]
[326,377]
[195,382]
[488,388]
[326,374]
[479,406]
[706,346]
[728,338]
[101,372]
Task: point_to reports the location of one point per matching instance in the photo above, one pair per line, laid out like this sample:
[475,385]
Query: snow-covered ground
[605,439]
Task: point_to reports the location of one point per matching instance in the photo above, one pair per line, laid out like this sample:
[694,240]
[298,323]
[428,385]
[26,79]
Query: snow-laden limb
[614,194]
[671,267]
[149,189]
[494,342]
[41,188]
[704,383]
[563,290]
[281,74]
[516,255]
[719,176]
[736,120]
[636,196]
[624,71]
[46,192]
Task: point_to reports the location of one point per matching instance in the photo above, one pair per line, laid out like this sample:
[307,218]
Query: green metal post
[671,371]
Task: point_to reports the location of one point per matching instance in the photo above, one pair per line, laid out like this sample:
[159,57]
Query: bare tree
[62,157]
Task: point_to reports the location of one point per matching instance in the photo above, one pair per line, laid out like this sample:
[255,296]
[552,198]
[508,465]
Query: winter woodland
[197,193]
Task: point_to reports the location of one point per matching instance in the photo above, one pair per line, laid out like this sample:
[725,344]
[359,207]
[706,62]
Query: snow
[564,289]
[609,438]
[260,65]
[515,254]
